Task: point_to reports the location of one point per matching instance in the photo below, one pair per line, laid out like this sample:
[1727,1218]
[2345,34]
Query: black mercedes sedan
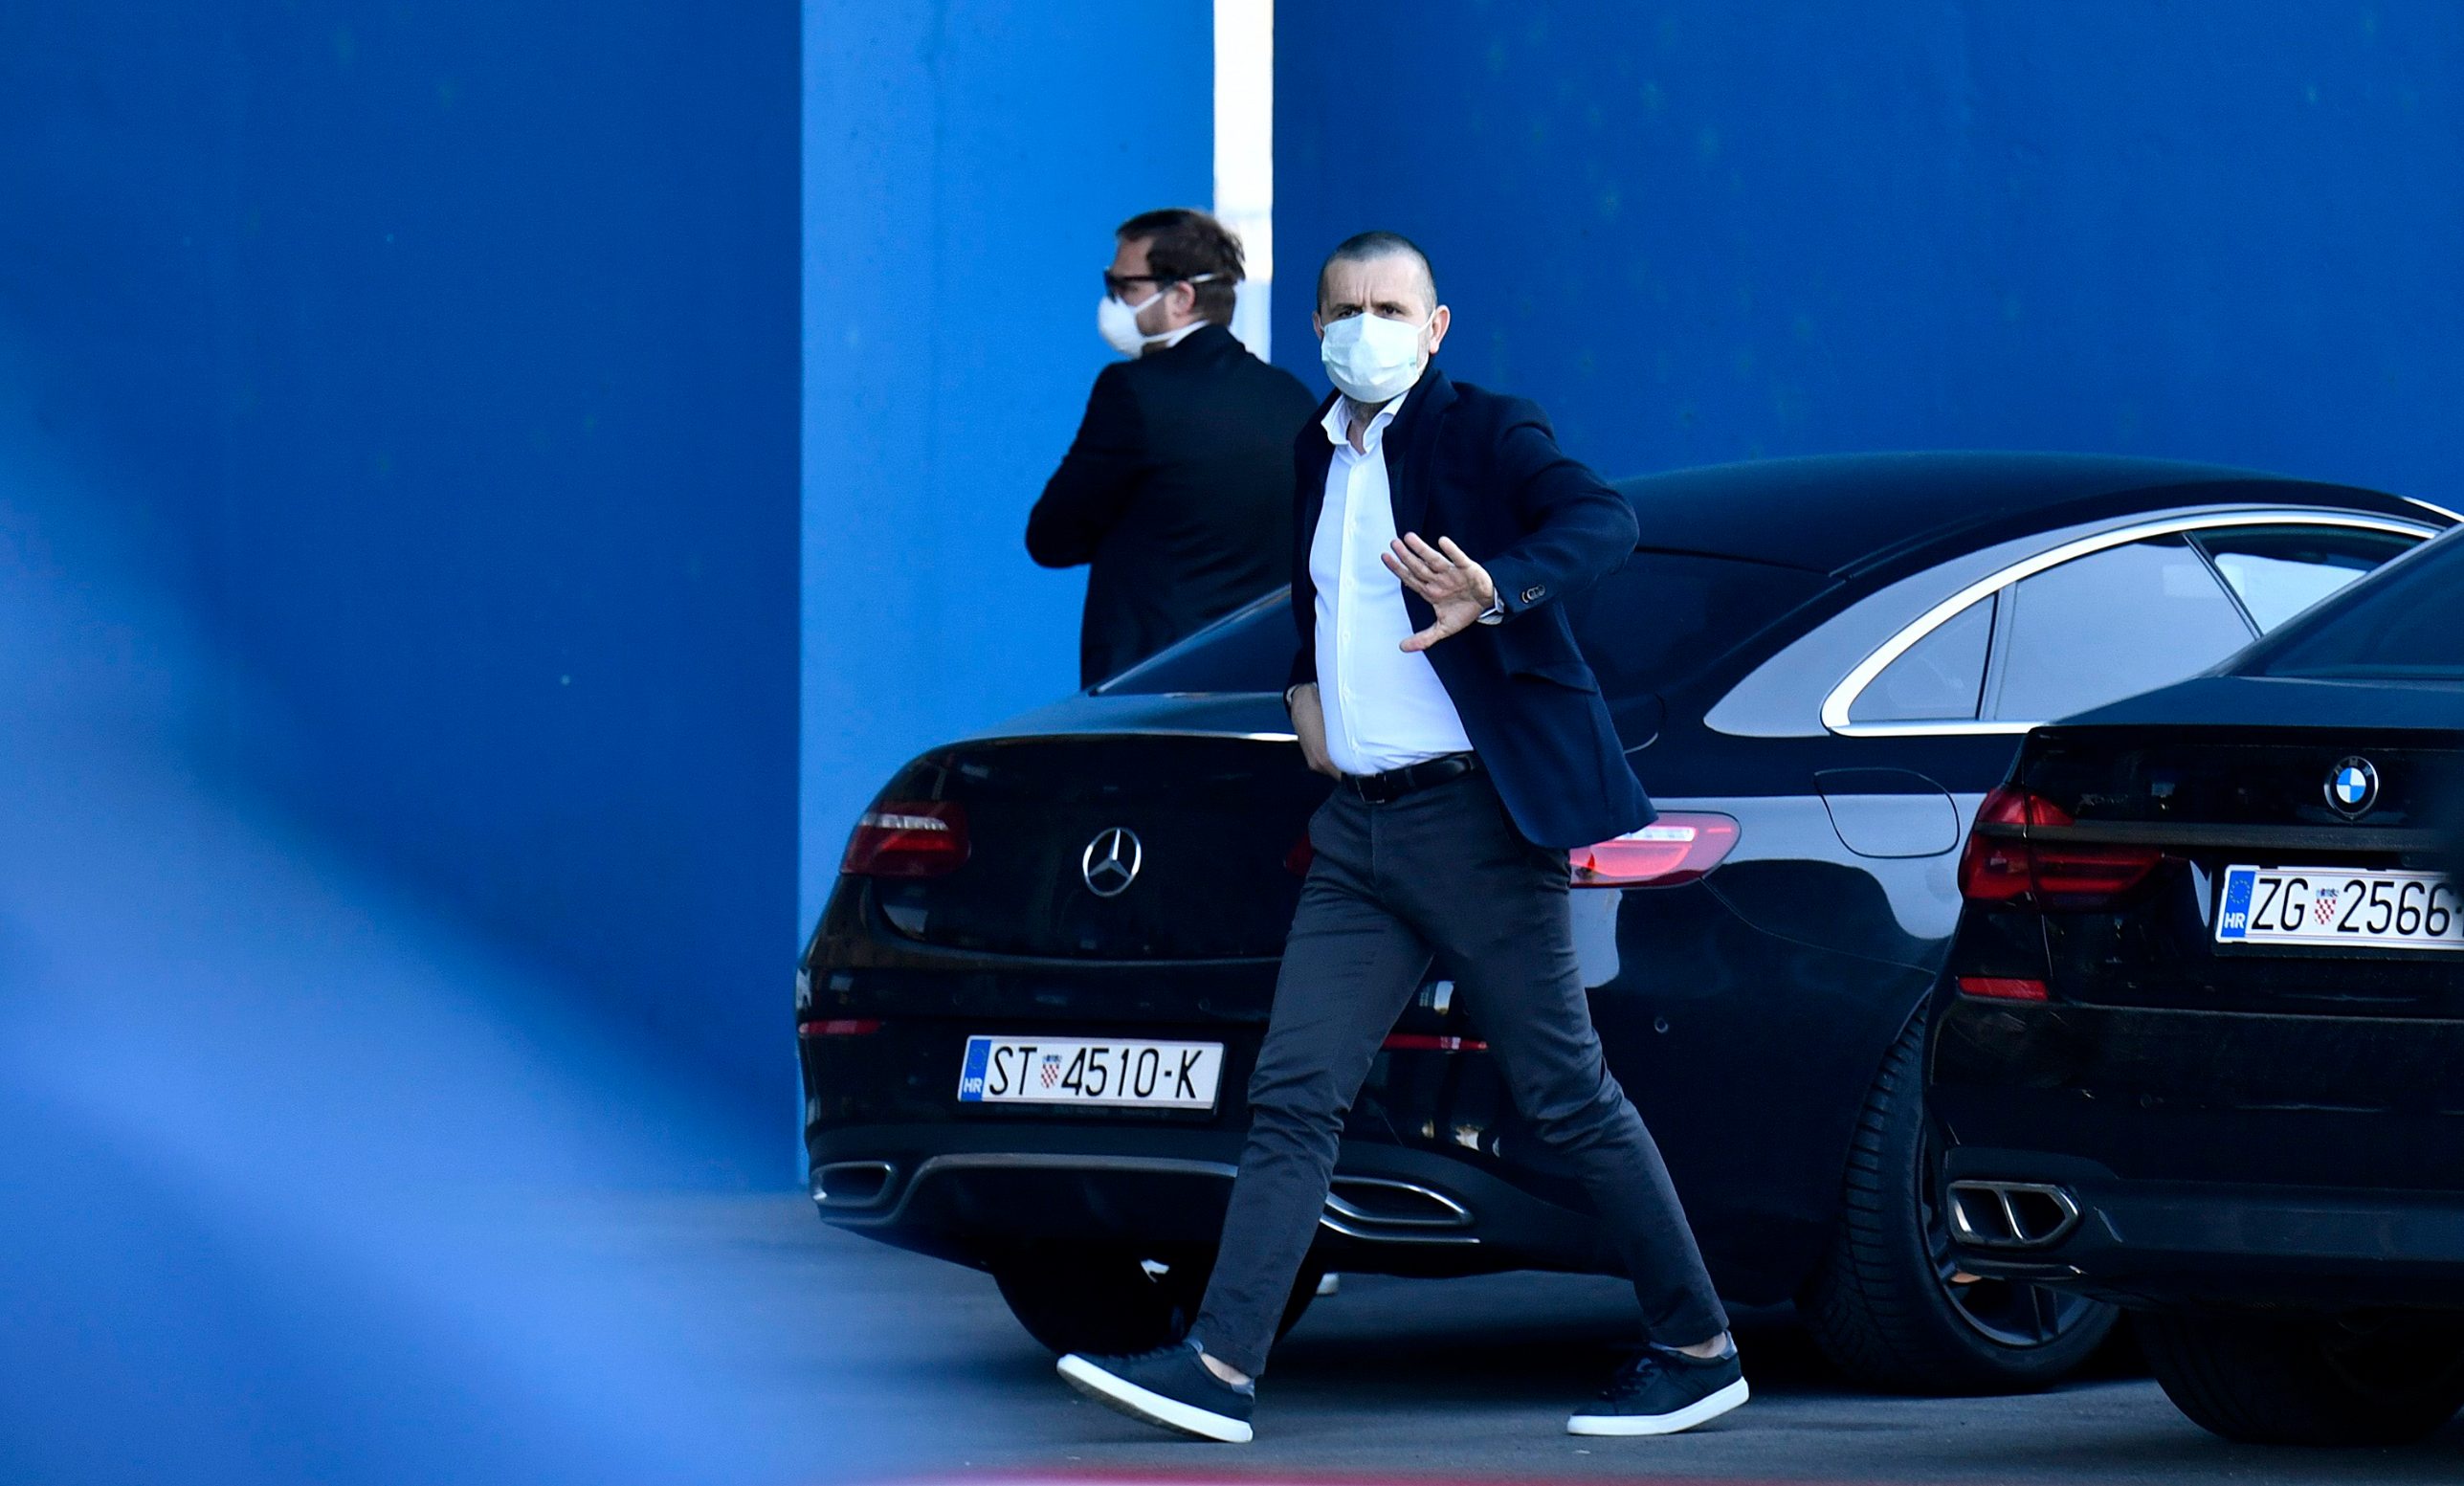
[1030,1009]
[2200,1048]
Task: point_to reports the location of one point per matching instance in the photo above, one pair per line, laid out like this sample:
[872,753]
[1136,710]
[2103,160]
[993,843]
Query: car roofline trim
[1843,697]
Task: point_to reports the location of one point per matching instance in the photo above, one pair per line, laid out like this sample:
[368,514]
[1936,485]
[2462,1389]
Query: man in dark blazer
[1439,531]
[1178,487]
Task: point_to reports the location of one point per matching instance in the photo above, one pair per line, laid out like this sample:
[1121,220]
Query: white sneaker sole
[1700,1412]
[1150,1405]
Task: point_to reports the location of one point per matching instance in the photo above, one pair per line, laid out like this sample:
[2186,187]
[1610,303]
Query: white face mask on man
[1373,359]
[1118,323]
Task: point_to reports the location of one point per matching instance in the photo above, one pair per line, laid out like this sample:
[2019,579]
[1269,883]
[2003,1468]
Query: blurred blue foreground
[301,1183]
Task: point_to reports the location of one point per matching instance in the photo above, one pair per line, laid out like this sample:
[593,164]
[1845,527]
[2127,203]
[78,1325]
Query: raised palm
[1455,586]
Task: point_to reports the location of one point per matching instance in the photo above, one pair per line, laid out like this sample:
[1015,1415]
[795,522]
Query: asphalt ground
[1390,1379]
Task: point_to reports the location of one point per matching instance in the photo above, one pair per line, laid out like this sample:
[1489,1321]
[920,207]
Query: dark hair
[1360,247]
[1180,244]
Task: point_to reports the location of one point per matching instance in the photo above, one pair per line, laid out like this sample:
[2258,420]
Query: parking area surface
[1410,1379]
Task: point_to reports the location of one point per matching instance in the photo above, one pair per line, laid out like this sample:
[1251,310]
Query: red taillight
[1296,860]
[1994,868]
[1671,849]
[2003,988]
[1424,1042]
[2010,862]
[907,838]
[839,1026]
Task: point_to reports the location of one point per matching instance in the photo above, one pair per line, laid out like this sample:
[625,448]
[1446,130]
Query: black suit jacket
[1176,491]
[1485,470]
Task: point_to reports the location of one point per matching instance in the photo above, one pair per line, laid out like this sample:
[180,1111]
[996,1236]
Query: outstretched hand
[1454,585]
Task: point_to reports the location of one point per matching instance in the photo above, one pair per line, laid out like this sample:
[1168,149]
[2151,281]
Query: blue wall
[1706,230]
[965,166]
[440,361]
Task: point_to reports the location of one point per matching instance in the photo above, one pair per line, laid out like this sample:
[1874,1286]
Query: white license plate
[2331,905]
[1080,1071]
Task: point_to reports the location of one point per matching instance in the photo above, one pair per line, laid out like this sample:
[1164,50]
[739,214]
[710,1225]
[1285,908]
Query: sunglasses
[1114,284]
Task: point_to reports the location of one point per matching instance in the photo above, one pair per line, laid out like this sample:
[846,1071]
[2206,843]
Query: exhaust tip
[1378,1207]
[852,1184]
[2011,1215]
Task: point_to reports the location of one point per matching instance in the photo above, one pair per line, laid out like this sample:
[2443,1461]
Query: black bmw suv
[2200,1048]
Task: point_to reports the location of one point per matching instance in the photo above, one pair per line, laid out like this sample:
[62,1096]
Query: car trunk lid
[1145,846]
[2199,802]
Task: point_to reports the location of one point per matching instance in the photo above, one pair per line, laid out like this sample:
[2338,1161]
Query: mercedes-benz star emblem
[1111,861]
[2353,788]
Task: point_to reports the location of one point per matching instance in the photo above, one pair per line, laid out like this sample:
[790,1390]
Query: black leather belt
[1395,783]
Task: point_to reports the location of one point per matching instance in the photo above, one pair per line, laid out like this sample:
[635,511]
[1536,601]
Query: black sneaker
[1660,1391]
[1170,1386]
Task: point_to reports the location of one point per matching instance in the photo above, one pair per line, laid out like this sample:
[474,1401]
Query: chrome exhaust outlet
[844,1186]
[2011,1215]
[1383,1211]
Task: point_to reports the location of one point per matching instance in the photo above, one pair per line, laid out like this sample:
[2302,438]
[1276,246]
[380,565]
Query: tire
[1104,1300]
[2273,1382]
[1884,1305]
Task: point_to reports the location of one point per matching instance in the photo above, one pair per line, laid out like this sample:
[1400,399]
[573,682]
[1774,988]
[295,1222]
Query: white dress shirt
[1384,706]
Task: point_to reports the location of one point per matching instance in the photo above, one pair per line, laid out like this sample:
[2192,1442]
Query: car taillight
[2005,861]
[1671,849]
[839,1026]
[907,838]
[2004,987]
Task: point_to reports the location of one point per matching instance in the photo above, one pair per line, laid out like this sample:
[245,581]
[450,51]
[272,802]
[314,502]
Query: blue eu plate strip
[2233,920]
[970,1076]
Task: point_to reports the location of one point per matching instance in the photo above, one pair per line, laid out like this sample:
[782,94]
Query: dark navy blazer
[1485,470]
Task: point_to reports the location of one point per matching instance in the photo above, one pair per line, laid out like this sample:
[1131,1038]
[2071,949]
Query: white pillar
[1245,152]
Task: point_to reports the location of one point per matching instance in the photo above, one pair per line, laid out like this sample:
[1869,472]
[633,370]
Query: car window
[2278,571]
[1654,622]
[1941,679]
[1665,615]
[2408,625]
[1249,650]
[2106,626]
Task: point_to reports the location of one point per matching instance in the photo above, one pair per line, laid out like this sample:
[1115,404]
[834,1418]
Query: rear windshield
[1657,621]
[1249,650]
[1666,615]
[2405,624]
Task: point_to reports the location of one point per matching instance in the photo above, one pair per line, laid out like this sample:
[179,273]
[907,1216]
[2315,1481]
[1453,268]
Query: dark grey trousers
[1441,874]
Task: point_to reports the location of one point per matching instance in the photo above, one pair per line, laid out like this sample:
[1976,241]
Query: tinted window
[2109,625]
[1939,679]
[2408,625]
[2278,571]
[1249,650]
[1665,615]
[1655,621]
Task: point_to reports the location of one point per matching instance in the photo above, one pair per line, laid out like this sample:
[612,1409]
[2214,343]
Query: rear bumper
[2193,1245]
[964,1193]
[2212,1158]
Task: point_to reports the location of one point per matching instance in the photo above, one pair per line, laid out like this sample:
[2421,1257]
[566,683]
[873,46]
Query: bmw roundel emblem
[1111,861]
[2353,788]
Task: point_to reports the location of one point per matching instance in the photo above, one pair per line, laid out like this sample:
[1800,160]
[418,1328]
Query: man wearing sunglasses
[1177,490]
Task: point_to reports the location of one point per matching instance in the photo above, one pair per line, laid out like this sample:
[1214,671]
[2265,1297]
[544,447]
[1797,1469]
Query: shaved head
[1362,247]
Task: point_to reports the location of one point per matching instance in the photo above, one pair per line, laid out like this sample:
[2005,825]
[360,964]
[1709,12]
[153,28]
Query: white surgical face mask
[1373,359]
[1118,324]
